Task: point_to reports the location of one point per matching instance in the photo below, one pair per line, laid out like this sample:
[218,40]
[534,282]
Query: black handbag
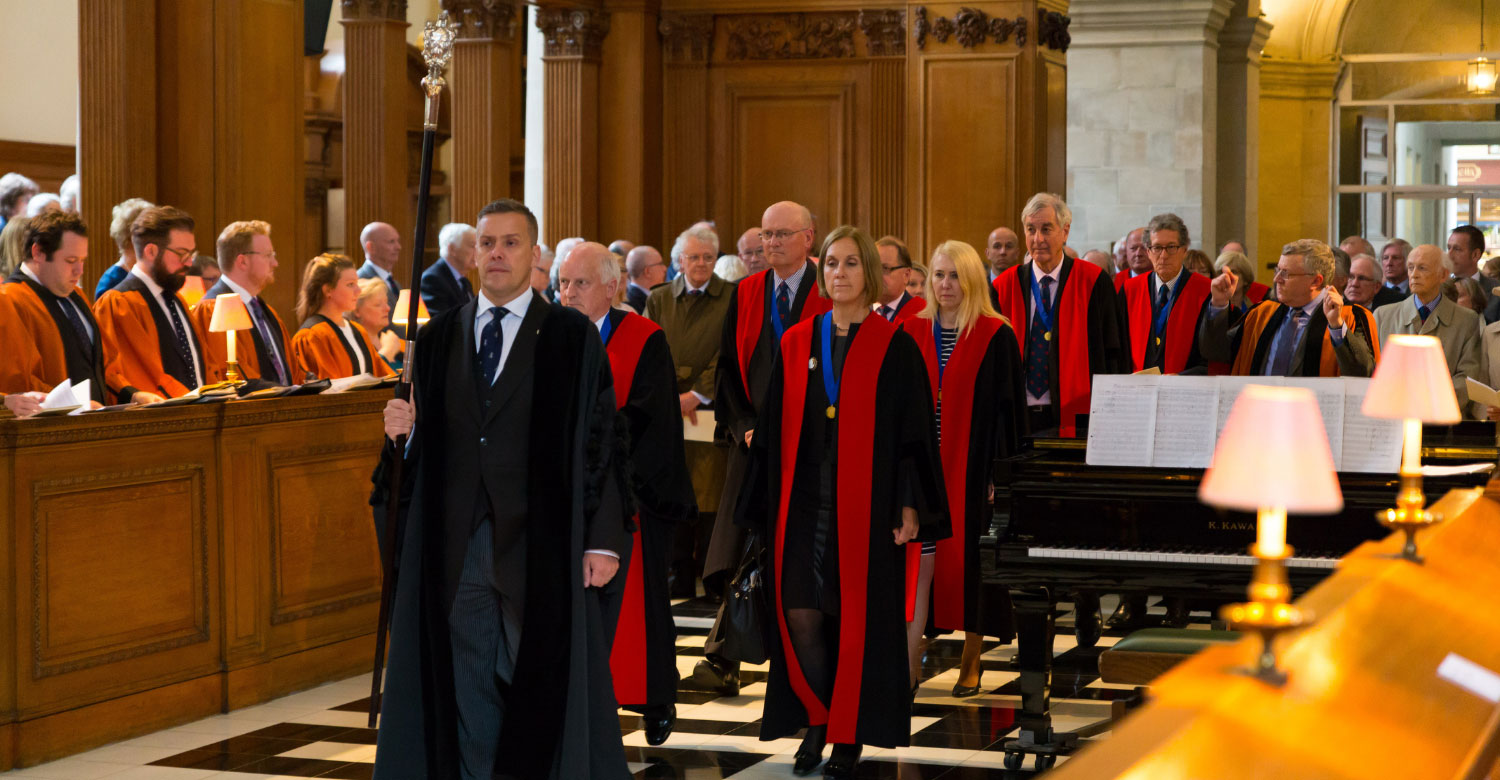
[745,616]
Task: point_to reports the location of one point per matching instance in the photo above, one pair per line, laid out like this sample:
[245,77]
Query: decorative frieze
[572,32]
[799,36]
[374,10]
[687,37]
[1052,30]
[970,27]
[885,32]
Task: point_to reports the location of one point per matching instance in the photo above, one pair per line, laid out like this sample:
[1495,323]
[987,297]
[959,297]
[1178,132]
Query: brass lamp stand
[1268,612]
[1409,517]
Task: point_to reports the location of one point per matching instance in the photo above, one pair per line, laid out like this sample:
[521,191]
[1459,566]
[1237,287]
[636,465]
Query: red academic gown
[877,468]
[1256,292]
[1176,347]
[1086,334]
[908,306]
[983,398]
[643,661]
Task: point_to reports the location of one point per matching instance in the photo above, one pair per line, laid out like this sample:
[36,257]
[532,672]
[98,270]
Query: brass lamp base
[1409,517]
[232,380]
[1267,613]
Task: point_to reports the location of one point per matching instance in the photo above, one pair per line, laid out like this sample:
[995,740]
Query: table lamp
[1412,384]
[403,302]
[191,290]
[230,315]
[1272,458]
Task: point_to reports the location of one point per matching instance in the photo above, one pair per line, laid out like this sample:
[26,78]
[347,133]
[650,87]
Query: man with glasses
[763,307]
[1365,288]
[1164,307]
[155,347]
[1428,312]
[752,252]
[645,269]
[895,304]
[248,262]
[1307,331]
[1137,259]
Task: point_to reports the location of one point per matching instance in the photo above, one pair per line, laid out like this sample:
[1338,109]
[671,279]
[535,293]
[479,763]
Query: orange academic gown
[133,346]
[20,368]
[319,347]
[216,345]
[40,358]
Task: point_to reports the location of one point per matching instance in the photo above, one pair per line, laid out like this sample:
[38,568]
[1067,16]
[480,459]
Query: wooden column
[885,40]
[687,41]
[630,106]
[574,40]
[116,115]
[485,103]
[375,156]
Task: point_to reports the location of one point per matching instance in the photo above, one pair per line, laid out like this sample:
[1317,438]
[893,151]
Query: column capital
[1298,79]
[483,20]
[885,32]
[1244,38]
[687,37]
[576,33]
[374,10]
[1119,23]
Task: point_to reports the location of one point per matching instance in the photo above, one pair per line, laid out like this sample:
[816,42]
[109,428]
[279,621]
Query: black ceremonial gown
[884,454]
[561,721]
[643,661]
[984,402]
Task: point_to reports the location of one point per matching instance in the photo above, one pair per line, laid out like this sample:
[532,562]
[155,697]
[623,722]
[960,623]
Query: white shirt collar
[517,305]
[30,274]
[384,274]
[236,289]
[1167,282]
[140,273]
[1316,303]
[792,281]
[688,287]
[599,323]
[1055,273]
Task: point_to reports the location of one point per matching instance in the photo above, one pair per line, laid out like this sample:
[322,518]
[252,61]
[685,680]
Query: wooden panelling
[887,147]
[572,150]
[486,97]
[966,126]
[185,105]
[630,150]
[46,164]
[375,146]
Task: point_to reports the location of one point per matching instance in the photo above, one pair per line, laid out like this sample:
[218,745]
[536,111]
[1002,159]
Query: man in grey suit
[382,245]
[1429,313]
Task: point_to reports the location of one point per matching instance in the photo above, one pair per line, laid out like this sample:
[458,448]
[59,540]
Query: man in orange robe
[51,336]
[248,260]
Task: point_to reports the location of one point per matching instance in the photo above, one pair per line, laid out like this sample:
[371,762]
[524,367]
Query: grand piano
[1068,531]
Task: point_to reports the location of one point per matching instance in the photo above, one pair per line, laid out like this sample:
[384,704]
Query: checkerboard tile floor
[320,732]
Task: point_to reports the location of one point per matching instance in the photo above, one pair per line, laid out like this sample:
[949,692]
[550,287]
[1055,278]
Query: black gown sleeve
[607,508]
[756,508]
[654,421]
[919,465]
[1010,393]
[733,412]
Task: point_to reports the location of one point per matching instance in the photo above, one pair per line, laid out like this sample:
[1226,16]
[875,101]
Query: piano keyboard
[1180,558]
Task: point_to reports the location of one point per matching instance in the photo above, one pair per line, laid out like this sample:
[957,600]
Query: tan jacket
[1458,329]
[694,328]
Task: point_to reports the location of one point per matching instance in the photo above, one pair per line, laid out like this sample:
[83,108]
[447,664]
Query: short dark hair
[155,226]
[1475,237]
[900,246]
[46,230]
[511,206]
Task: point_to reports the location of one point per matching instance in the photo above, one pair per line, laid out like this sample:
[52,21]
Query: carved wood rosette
[573,32]
[687,37]
[483,20]
[969,27]
[799,36]
[885,32]
[1052,30]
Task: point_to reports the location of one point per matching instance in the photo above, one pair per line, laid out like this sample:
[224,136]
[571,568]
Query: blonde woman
[372,311]
[979,395]
[327,346]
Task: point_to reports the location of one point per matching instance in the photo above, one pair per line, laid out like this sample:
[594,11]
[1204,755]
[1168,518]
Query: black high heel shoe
[842,762]
[965,691]
[810,754]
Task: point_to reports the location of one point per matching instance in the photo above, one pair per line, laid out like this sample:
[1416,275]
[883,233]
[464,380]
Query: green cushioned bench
[1144,655]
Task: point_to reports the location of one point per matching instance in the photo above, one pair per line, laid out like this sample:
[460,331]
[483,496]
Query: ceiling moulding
[1298,79]
[1117,23]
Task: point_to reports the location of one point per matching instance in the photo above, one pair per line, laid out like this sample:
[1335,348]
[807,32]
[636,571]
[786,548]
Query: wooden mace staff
[437,49]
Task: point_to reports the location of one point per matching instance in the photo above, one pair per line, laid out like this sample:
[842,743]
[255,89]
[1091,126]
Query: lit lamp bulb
[1482,76]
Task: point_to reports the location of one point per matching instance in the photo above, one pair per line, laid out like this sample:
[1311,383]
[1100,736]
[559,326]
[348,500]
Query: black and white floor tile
[321,733]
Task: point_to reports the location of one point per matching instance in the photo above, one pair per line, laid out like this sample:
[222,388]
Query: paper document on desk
[1454,471]
[66,398]
[351,383]
[1122,420]
[1481,392]
[702,431]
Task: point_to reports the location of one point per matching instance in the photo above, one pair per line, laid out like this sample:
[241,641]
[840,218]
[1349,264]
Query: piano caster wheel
[1014,760]
[1045,762]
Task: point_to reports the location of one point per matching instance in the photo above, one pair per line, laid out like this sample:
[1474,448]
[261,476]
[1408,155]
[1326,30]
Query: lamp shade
[191,290]
[403,301]
[229,314]
[1273,453]
[1412,382]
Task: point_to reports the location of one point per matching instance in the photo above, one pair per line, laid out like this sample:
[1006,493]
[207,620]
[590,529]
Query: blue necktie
[491,347]
[190,381]
[1281,362]
[784,303]
[1423,311]
[1039,348]
[258,311]
[72,314]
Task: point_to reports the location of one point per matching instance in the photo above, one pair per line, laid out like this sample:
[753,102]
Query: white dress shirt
[352,339]
[509,326]
[187,325]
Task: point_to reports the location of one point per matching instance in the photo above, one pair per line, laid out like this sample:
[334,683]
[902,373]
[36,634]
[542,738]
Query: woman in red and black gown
[844,472]
[973,368]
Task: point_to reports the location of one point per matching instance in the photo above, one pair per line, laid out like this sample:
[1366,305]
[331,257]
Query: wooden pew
[164,565]
[1363,697]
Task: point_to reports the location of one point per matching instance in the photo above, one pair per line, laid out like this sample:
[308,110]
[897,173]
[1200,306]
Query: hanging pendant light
[1482,72]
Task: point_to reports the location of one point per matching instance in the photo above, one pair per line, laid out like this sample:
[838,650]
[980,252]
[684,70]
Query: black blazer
[441,292]
[635,297]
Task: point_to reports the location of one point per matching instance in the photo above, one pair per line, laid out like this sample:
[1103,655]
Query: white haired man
[445,283]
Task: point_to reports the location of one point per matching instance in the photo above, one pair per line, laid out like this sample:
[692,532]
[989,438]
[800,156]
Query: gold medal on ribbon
[1158,341]
[1047,336]
[832,412]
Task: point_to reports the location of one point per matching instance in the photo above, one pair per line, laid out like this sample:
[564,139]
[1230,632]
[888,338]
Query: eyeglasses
[695,258]
[1362,279]
[187,255]
[779,235]
[1157,249]
[271,254]
[890,269]
[1284,273]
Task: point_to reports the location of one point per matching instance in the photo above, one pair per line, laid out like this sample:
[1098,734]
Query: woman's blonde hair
[369,288]
[973,279]
[13,245]
[322,271]
[869,261]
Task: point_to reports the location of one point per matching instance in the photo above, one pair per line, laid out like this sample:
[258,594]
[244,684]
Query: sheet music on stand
[1175,421]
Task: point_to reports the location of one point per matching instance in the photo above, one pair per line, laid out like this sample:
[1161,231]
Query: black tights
[814,638]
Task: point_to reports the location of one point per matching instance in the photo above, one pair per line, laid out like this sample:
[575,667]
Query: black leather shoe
[1177,613]
[842,762]
[659,723]
[1130,614]
[810,754]
[965,691]
[716,677]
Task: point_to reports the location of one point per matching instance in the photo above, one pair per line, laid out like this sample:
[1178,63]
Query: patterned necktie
[888,313]
[1163,295]
[695,293]
[273,348]
[784,303]
[72,314]
[1281,362]
[1423,311]
[1039,347]
[468,289]
[395,285]
[491,347]
[182,340]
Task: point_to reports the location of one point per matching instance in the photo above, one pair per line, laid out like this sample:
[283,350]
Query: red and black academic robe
[907,307]
[50,348]
[1256,292]
[643,661]
[1121,277]
[747,352]
[879,467]
[1176,347]
[1087,333]
[983,407]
